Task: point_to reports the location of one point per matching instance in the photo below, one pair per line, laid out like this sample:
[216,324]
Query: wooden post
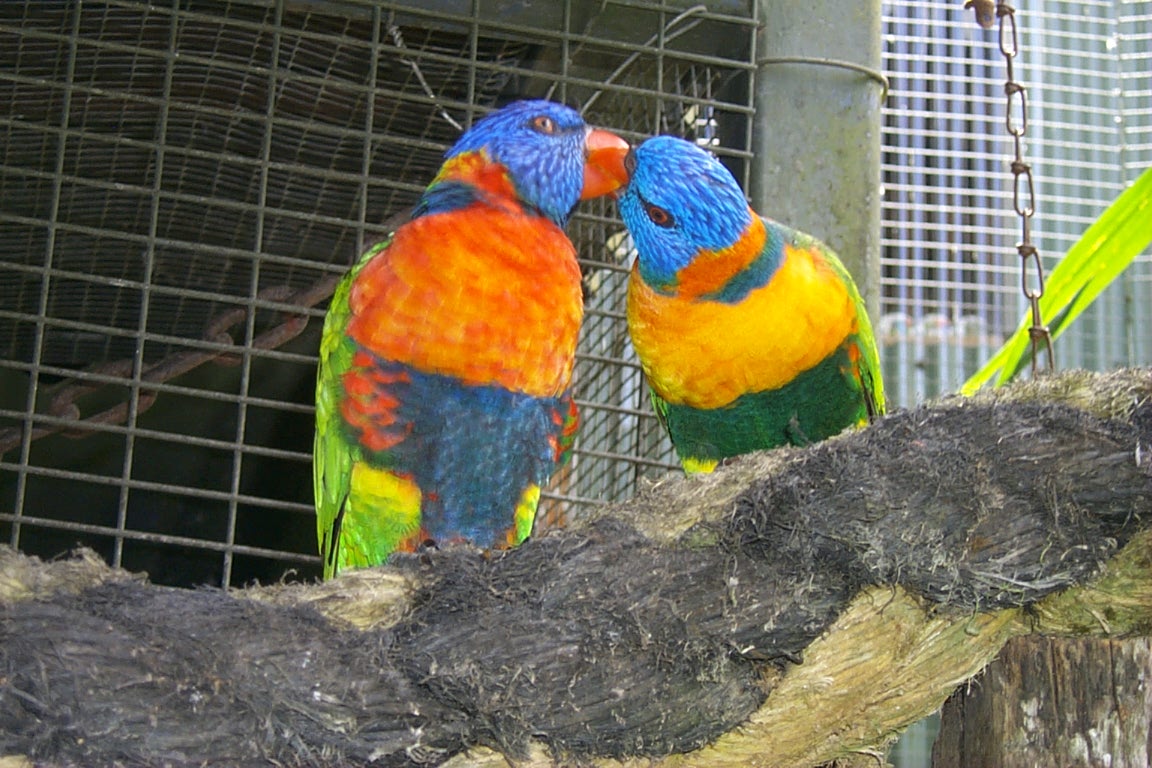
[1085,700]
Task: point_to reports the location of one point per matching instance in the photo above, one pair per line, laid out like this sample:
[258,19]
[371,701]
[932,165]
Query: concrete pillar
[816,132]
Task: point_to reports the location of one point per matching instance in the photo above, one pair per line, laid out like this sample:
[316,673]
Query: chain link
[63,407]
[1023,186]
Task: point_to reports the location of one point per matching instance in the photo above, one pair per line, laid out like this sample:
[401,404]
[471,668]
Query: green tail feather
[333,454]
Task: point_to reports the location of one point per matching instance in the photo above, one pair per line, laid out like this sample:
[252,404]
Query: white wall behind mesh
[950,271]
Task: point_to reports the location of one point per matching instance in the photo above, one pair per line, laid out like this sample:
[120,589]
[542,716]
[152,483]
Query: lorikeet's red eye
[543,124]
[658,215]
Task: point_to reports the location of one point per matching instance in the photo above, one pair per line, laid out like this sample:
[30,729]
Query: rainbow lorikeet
[752,335]
[442,397]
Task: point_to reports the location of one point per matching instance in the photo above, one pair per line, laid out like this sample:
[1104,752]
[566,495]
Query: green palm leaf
[1105,250]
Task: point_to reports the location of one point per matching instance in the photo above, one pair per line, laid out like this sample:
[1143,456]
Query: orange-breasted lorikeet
[752,335]
[442,397]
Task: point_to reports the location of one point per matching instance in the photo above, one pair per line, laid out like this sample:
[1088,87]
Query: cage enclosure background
[950,275]
[179,182]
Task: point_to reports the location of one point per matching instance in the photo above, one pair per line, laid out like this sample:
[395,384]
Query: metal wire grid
[950,274]
[174,180]
[1094,121]
[948,287]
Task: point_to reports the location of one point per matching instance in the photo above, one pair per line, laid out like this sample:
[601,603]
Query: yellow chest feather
[705,354]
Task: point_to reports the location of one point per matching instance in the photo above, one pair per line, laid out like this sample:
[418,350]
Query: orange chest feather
[705,354]
[708,272]
[487,296]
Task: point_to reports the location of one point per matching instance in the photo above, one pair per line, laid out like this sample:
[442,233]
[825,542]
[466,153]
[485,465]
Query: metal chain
[1023,187]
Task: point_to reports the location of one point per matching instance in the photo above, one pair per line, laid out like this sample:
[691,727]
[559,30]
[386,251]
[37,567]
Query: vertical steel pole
[816,132]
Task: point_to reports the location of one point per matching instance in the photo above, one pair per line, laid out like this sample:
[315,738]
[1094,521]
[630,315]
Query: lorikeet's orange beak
[604,171]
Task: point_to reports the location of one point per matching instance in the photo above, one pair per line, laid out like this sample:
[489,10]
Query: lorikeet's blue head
[553,159]
[680,200]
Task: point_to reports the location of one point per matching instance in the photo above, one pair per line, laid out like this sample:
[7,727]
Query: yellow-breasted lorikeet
[442,397]
[752,335]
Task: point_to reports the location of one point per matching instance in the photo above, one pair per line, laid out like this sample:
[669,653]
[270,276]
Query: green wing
[695,454]
[333,453]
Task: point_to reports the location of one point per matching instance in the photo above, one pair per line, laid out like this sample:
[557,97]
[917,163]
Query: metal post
[816,133]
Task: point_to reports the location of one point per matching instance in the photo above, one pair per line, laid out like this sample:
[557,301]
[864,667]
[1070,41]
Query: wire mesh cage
[183,183]
[950,276]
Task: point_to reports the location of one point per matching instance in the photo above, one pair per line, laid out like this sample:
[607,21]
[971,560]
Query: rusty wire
[66,415]
[63,407]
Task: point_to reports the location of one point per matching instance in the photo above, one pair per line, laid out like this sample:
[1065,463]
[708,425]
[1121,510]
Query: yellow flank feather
[746,348]
[524,515]
[364,535]
[697,466]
